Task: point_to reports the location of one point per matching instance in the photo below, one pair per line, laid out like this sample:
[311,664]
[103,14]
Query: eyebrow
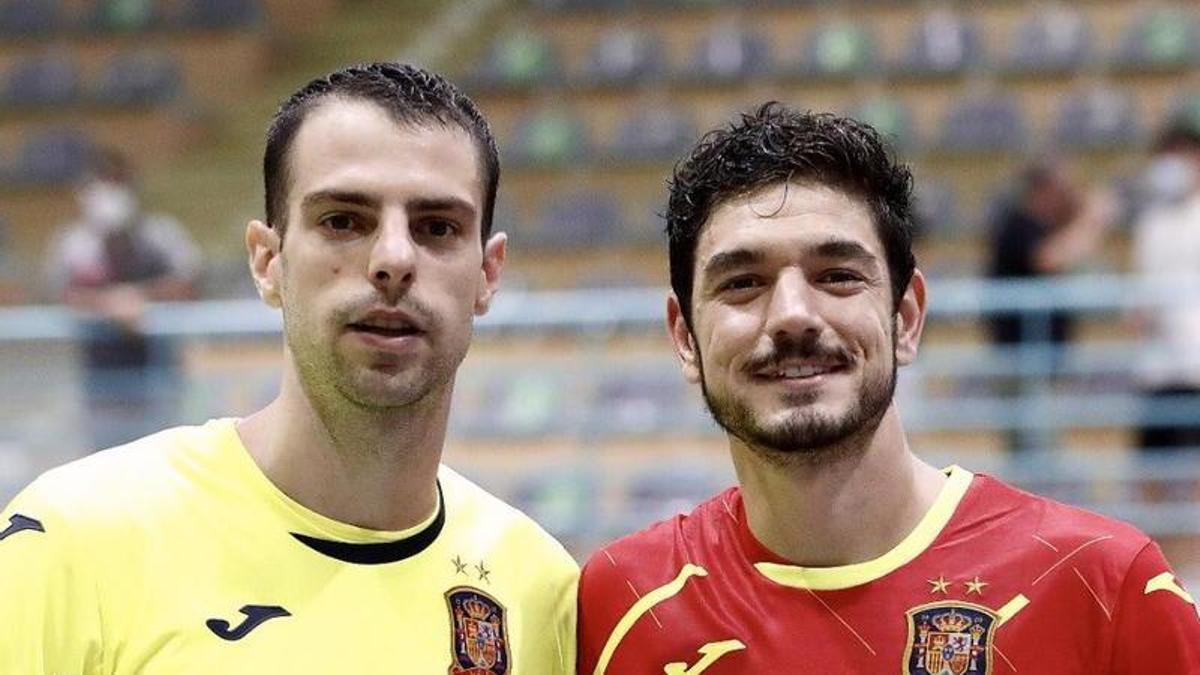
[844,249]
[727,260]
[840,249]
[423,204]
[343,196]
[442,204]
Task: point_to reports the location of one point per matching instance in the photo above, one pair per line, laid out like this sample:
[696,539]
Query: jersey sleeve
[1156,625]
[48,602]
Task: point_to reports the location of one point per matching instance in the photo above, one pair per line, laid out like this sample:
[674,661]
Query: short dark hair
[775,144]
[411,95]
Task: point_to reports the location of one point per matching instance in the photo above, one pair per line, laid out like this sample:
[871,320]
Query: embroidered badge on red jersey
[949,638]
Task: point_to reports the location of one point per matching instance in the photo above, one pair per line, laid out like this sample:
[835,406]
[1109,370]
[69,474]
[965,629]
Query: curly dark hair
[412,96]
[775,144]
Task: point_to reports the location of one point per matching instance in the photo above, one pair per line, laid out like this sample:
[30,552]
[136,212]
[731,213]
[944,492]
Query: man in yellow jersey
[320,534]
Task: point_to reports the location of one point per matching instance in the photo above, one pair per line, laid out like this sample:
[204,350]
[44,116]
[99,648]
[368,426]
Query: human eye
[742,283]
[842,278]
[340,222]
[439,228]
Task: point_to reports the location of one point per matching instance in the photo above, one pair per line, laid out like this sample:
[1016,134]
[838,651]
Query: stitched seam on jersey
[1107,612]
[842,621]
[1070,555]
[1112,638]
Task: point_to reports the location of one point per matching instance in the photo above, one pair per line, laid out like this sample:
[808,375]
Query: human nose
[792,310]
[393,256]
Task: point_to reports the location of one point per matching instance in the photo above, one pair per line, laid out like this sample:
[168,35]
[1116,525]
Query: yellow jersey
[175,554]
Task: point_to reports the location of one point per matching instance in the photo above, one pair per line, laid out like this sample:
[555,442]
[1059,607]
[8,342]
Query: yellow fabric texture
[145,547]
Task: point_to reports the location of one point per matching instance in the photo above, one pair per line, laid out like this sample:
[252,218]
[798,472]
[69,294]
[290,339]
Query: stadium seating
[839,50]
[43,80]
[517,59]
[578,220]
[651,133]
[889,116]
[943,43]
[564,502]
[1096,118]
[139,78]
[1053,40]
[990,122]
[28,19]
[1162,39]
[125,16]
[549,137]
[729,53]
[52,157]
[218,14]
[624,56]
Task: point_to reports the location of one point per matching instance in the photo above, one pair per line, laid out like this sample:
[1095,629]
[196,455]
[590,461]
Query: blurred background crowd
[1056,147]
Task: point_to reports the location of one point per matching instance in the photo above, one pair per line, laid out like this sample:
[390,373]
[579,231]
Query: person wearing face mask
[1166,255]
[107,265]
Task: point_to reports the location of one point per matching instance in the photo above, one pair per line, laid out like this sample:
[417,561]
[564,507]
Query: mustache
[787,348]
[360,307]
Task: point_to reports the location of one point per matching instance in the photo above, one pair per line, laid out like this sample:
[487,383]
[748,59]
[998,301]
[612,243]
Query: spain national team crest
[480,639]
[949,638]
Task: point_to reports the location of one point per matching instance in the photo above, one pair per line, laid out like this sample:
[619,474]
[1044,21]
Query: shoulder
[473,512]
[1086,537]
[114,487]
[653,556]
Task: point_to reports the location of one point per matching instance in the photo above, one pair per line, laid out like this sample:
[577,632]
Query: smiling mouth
[798,371]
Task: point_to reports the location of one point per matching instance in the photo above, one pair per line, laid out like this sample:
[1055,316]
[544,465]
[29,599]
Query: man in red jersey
[794,298]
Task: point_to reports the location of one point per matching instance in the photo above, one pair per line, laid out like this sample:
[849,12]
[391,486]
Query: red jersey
[992,581]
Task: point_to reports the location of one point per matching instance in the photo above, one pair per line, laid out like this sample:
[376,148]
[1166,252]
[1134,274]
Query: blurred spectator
[108,264]
[1049,226]
[1166,245]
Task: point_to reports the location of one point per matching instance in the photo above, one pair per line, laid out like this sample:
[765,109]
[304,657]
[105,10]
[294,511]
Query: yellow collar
[848,576]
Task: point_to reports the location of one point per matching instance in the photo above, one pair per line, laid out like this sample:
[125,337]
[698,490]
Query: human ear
[263,247]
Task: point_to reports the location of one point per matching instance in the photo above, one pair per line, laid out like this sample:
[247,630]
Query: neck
[371,469]
[853,508]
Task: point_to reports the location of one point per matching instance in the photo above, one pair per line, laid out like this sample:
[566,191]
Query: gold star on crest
[939,585]
[460,567]
[975,586]
[483,572]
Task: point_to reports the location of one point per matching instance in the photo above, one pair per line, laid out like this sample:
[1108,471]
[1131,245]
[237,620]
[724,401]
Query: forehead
[783,219]
[356,145]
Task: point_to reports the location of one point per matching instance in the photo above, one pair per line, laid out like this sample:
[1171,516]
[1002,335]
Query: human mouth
[793,372]
[387,328]
[799,371]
